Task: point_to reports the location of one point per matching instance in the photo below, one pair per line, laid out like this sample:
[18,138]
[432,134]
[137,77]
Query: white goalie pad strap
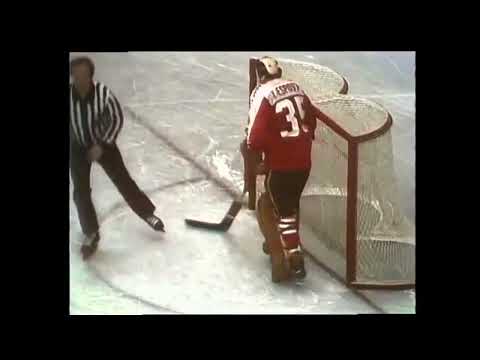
[286,232]
[288,220]
[284,226]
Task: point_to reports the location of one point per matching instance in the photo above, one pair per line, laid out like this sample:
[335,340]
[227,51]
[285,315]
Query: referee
[96,119]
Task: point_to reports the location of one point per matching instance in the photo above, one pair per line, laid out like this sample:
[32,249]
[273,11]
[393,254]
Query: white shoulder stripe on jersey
[114,122]
[96,111]
[101,91]
[73,121]
[90,123]
[118,118]
[79,124]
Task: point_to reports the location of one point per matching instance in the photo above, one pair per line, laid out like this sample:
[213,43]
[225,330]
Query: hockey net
[350,203]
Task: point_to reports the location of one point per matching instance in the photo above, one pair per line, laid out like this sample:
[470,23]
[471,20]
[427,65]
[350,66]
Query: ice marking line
[157,307]
[228,187]
[229,68]
[107,215]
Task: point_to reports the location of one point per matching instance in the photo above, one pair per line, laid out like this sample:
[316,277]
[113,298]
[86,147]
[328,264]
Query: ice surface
[199,101]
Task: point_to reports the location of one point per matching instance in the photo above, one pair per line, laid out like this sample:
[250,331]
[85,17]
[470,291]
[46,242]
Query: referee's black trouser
[112,163]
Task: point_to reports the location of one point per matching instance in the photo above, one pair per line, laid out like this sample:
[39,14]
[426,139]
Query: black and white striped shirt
[96,119]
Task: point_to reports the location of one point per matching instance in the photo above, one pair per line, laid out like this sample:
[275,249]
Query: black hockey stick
[227,220]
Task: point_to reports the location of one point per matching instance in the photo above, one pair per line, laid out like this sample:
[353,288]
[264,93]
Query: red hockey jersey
[281,124]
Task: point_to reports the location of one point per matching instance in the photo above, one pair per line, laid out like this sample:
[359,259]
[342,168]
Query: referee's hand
[95,153]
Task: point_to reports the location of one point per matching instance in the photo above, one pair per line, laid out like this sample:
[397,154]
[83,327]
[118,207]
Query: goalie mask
[268,69]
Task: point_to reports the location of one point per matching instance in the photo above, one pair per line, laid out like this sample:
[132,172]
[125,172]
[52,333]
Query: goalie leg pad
[260,211]
[268,223]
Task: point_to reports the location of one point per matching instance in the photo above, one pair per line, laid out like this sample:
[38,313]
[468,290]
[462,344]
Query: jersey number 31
[294,113]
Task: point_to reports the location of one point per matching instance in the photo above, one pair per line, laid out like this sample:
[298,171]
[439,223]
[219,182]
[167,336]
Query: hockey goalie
[280,130]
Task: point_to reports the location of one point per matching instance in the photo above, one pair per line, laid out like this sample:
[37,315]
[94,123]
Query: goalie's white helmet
[268,68]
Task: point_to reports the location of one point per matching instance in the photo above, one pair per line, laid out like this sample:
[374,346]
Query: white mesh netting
[356,116]
[385,237]
[324,201]
[316,80]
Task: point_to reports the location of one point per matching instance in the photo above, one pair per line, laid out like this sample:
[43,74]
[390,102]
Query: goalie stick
[227,220]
